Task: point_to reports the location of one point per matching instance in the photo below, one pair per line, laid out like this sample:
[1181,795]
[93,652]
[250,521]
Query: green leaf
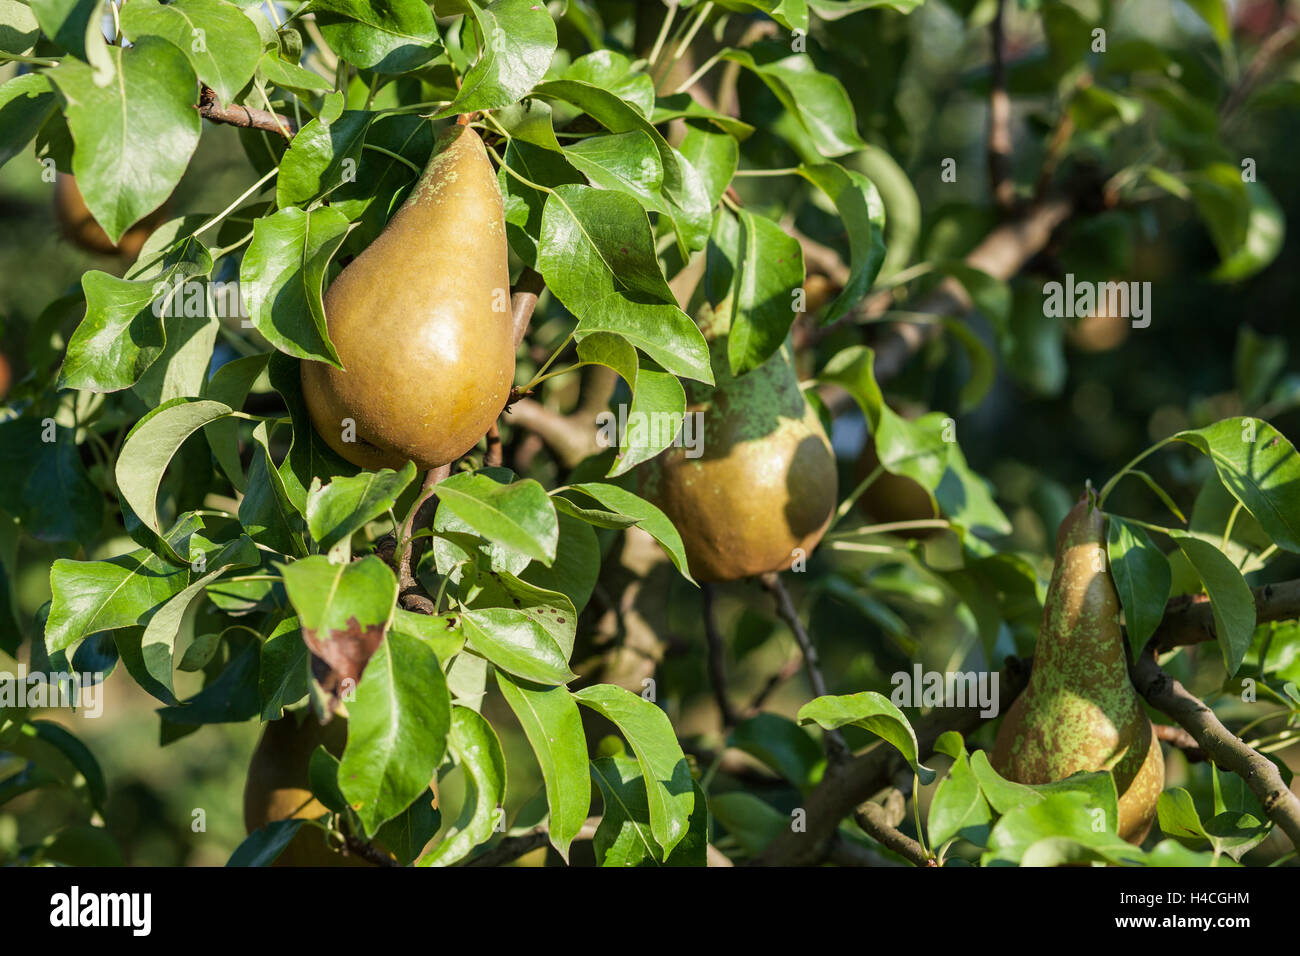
[230,385]
[397,730]
[1231,600]
[26,102]
[624,162]
[158,645]
[220,41]
[478,751]
[149,448]
[351,602]
[614,72]
[519,41]
[265,510]
[1261,469]
[315,162]
[142,118]
[596,253]
[122,333]
[624,836]
[519,515]
[648,518]
[388,36]
[284,674]
[309,457]
[45,485]
[816,99]
[345,505]
[782,745]
[282,275]
[648,730]
[870,711]
[1142,578]
[958,807]
[516,643]
[753,822]
[265,844]
[760,268]
[553,726]
[1071,820]
[1244,220]
[658,401]
[862,211]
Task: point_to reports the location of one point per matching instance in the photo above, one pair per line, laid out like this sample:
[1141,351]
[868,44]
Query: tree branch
[1190,620]
[410,594]
[836,748]
[873,819]
[1001,185]
[1178,738]
[243,116]
[1221,746]
[524,300]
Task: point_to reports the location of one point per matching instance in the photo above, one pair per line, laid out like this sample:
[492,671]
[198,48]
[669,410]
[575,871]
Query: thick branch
[873,819]
[244,116]
[1190,620]
[1220,745]
[571,440]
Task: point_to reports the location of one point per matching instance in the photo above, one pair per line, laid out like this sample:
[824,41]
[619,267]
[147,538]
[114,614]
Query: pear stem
[409,591]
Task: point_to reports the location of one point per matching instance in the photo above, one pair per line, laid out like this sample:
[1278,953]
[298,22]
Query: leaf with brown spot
[344,611]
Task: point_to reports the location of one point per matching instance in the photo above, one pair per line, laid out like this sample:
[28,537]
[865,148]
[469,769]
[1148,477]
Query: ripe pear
[762,492]
[890,498]
[277,787]
[78,225]
[421,323]
[1080,711]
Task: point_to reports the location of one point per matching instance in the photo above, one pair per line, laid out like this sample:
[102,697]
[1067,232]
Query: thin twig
[369,852]
[494,454]
[243,116]
[716,659]
[836,748]
[524,300]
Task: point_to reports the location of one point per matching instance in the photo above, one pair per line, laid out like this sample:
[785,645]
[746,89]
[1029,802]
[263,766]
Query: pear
[78,225]
[890,498]
[277,787]
[421,323]
[762,492]
[1080,711]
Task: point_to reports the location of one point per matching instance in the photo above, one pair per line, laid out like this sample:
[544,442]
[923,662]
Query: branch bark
[1001,185]
[1221,746]
[1190,620]
[873,819]
[410,594]
[243,116]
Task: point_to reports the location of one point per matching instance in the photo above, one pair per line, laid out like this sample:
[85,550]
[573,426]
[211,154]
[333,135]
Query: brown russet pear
[762,492]
[277,787]
[78,225]
[421,323]
[892,498]
[1080,712]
